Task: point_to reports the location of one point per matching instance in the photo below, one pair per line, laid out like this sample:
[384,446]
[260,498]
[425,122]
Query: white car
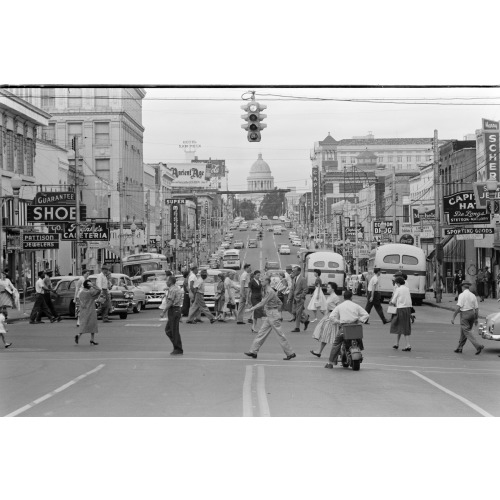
[296,243]
[284,250]
[226,245]
[275,217]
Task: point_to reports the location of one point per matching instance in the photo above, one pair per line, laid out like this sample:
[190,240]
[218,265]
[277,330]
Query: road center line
[247,392]
[261,392]
[451,393]
[53,393]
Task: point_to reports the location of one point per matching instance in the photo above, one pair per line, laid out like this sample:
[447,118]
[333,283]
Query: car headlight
[128,295]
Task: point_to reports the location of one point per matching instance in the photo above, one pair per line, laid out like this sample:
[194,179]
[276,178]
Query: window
[410,260]
[101,97]
[406,213]
[102,134]
[20,154]
[333,265]
[29,156]
[344,159]
[418,158]
[400,159]
[408,158]
[48,98]
[10,150]
[391,259]
[75,130]
[75,98]
[49,133]
[353,159]
[102,168]
[63,286]
[319,263]
[389,159]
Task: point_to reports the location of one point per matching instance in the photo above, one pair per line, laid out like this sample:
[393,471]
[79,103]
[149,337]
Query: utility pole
[437,226]
[77,206]
[148,230]
[393,192]
[120,203]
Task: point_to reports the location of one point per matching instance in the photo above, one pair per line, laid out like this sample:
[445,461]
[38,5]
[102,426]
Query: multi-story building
[19,128]
[107,124]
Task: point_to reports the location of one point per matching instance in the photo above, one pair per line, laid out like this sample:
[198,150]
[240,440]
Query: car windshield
[154,277]
[273,265]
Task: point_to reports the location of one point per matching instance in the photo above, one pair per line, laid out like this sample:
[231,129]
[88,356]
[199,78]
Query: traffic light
[253,118]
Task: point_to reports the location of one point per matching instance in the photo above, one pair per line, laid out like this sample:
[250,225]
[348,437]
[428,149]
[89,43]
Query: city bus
[331,264]
[231,259]
[136,264]
[408,259]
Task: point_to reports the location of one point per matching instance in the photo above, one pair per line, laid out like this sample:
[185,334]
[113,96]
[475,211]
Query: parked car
[296,243]
[211,287]
[252,243]
[238,244]
[64,303]
[275,217]
[226,245]
[153,283]
[264,217]
[270,229]
[122,282]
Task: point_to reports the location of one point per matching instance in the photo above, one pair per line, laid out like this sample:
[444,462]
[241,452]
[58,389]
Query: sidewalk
[487,307]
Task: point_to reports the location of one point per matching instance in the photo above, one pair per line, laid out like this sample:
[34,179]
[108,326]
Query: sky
[296,119]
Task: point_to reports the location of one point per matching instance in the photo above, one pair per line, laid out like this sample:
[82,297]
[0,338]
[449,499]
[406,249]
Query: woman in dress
[255,286]
[78,289]
[229,297]
[318,301]
[88,313]
[219,298]
[326,329]
[401,321]
[6,291]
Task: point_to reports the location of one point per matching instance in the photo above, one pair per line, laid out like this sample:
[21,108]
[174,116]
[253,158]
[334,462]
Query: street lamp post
[16,182]
[421,213]
[356,249]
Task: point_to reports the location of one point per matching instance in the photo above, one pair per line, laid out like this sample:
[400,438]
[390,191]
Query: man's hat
[104,268]
[193,266]
[289,267]
[466,283]
[48,271]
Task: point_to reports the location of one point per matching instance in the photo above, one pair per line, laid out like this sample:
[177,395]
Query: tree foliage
[273,204]
[246,209]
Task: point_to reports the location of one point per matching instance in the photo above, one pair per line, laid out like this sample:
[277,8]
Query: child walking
[3,330]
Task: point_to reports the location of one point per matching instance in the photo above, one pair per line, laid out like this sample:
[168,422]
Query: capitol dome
[260,176]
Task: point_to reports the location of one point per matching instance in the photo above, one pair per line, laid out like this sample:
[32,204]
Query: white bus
[137,263]
[408,259]
[231,259]
[331,265]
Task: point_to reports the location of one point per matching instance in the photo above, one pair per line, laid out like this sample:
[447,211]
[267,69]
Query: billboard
[215,168]
[189,175]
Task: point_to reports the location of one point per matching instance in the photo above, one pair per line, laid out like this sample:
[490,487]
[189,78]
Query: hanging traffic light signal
[253,118]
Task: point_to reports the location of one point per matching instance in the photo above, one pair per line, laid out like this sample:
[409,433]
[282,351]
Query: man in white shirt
[40,305]
[244,281]
[468,308]
[373,295]
[346,313]
[193,281]
[103,282]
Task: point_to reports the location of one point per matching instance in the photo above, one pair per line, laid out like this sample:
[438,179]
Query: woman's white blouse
[402,297]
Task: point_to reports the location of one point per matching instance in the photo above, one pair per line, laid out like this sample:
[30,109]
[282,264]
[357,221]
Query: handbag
[392,310]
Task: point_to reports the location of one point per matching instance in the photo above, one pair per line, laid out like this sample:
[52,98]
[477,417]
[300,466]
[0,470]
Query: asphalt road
[130,373]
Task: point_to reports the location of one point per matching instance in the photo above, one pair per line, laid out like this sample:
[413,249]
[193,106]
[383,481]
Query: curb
[450,308]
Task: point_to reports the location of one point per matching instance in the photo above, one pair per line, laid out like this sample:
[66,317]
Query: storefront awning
[453,250]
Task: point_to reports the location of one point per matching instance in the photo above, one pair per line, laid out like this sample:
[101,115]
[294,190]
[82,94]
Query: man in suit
[299,293]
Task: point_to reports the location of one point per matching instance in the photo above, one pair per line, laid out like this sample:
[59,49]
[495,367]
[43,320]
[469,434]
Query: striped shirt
[175,295]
